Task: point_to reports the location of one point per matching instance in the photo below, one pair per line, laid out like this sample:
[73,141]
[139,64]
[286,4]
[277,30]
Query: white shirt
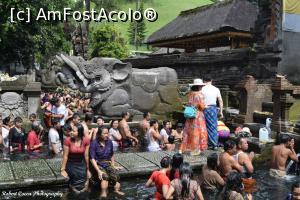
[164,134]
[5,133]
[54,139]
[61,110]
[113,133]
[211,94]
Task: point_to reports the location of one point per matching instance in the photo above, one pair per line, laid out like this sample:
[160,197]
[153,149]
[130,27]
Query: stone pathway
[41,172]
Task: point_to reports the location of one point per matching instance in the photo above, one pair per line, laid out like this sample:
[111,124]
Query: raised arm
[220,100]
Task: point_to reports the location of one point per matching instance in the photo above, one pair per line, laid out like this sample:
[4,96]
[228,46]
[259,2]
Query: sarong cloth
[211,118]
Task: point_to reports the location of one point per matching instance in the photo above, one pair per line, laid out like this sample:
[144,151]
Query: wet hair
[124,114]
[152,122]
[18,119]
[67,127]
[212,161]
[100,132]
[112,122]
[207,79]
[54,100]
[179,125]
[195,88]
[99,117]
[88,117]
[285,138]
[145,114]
[171,139]
[75,115]
[234,183]
[165,162]
[186,173]
[239,140]
[6,120]
[32,115]
[165,122]
[36,126]
[55,121]
[228,145]
[177,160]
[80,131]
[295,185]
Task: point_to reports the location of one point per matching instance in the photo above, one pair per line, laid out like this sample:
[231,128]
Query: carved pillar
[33,93]
[283,100]
[248,104]
[224,93]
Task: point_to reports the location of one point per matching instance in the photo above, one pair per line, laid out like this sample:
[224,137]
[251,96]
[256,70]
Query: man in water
[280,154]
[227,162]
[127,138]
[243,158]
[144,124]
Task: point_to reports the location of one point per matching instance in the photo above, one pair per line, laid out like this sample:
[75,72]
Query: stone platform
[46,172]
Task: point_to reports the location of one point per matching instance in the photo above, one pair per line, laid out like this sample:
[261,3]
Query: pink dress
[194,133]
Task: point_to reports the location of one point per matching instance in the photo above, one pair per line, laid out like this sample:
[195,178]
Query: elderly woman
[102,159]
[75,164]
[195,133]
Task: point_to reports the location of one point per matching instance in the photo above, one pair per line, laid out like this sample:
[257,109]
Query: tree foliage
[106,41]
[37,40]
[137,30]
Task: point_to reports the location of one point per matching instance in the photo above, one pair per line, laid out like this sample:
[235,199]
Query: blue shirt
[101,153]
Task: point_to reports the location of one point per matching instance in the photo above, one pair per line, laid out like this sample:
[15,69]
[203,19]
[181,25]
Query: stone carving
[116,87]
[13,104]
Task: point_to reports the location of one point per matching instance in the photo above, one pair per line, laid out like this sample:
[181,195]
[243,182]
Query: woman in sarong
[104,168]
[75,164]
[195,133]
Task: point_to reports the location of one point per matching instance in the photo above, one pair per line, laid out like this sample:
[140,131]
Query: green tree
[106,41]
[34,41]
[137,30]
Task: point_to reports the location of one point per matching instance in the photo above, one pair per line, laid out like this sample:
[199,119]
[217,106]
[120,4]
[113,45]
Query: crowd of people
[176,180]
[87,146]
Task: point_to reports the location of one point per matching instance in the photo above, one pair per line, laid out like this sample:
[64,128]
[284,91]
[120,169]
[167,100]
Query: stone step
[46,172]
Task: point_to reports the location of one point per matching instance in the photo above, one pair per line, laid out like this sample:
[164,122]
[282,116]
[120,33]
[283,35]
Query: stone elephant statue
[116,87]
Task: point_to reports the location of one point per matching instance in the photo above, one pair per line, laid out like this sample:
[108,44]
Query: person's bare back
[227,164]
[280,154]
[123,127]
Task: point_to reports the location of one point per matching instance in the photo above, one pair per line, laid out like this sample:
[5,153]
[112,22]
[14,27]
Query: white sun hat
[198,82]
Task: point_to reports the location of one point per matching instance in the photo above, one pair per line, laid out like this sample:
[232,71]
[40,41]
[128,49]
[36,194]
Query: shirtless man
[227,162]
[127,138]
[144,124]
[243,158]
[88,119]
[280,154]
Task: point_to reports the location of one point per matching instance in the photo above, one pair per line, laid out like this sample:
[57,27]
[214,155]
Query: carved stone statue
[116,87]
[12,104]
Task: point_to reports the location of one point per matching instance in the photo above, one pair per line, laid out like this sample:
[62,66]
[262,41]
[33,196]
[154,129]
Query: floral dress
[194,133]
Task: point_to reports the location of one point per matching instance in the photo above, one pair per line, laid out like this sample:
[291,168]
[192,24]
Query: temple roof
[232,15]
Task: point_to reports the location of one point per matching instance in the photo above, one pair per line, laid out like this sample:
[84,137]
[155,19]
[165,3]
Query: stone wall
[20,97]
[226,67]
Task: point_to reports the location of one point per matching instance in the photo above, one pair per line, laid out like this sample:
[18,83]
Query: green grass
[167,11]
[294,114]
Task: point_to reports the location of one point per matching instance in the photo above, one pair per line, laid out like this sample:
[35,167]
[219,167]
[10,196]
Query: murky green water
[269,189]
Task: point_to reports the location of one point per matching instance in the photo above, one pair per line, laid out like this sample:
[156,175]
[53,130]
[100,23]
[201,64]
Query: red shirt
[76,154]
[32,140]
[160,179]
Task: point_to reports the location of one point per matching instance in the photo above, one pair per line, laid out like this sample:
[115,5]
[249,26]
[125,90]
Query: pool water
[269,188]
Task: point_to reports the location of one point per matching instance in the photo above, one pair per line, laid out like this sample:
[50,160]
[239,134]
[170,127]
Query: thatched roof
[232,15]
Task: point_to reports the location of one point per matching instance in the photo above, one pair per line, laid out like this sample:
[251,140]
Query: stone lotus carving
[13,104]
[116,86]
